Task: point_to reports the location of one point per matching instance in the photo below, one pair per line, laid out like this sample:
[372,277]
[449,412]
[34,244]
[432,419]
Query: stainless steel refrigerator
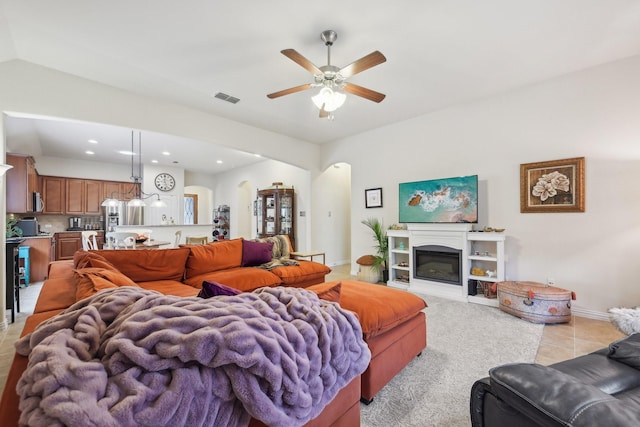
[121,214]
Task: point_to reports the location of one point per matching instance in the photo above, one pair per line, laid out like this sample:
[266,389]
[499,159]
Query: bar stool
[24,265]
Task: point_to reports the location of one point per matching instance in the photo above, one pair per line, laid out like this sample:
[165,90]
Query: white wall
[331,225]
[592,113]
[231,188]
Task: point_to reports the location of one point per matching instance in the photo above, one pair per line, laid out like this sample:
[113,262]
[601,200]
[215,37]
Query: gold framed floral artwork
[552,186]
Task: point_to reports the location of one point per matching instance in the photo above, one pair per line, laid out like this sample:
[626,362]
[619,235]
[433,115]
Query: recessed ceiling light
[154,161]
[93,141]
[89,152]
[219,162]
[127,153]
[166,153]
[257,155]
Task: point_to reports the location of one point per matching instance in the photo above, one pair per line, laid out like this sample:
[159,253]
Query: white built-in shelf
[399,253]
[490,257]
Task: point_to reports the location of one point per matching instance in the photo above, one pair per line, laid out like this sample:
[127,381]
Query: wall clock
[165,182]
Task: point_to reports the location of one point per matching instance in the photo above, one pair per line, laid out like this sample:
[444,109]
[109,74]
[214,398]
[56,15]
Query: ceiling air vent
[225,97]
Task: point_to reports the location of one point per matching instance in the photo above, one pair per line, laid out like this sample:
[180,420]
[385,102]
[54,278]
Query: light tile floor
[558,343]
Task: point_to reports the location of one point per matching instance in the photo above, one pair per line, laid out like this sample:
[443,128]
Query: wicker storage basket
[535,302]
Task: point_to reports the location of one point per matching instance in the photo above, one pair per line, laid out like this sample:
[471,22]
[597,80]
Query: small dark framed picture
[373,197]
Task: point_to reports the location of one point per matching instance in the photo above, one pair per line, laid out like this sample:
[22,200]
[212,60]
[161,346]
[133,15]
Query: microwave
[37,204]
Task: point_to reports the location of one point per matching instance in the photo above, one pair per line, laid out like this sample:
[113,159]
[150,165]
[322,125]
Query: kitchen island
[168,232]
[41,253]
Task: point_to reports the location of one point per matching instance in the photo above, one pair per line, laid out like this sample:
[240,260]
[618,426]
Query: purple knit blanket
[129,357]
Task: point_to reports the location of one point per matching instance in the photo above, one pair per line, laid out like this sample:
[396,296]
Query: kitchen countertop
[76,231]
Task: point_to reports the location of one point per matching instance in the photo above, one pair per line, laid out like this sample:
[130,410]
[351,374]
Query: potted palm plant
[381,246]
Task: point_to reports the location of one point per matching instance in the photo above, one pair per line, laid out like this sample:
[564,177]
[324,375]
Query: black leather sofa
[598,389]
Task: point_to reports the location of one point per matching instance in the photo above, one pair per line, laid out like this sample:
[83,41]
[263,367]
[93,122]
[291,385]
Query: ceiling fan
[331,78]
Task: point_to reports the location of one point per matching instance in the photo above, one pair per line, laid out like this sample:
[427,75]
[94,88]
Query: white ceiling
[439,53]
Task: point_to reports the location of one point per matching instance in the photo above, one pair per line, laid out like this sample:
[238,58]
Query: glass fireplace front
[438,264]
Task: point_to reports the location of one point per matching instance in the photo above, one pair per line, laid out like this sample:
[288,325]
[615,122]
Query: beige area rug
[463,342]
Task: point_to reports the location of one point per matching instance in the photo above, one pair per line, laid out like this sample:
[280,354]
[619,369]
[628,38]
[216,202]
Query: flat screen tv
[448,200]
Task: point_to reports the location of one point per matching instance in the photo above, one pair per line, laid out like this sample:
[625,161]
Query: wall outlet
[551,281]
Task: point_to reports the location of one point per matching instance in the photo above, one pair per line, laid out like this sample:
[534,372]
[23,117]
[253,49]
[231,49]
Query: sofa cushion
[56,294]
[626,350]
[242,278]
[92,279]
[329,291]
[214,289]
[256,253]
[170,287]
[83,259]
[213,256]
[379,308]
[149,264]
[304,271]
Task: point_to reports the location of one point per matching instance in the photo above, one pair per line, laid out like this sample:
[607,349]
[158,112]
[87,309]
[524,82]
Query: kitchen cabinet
[84,196]
[39,257]
[93,197]
[22,182]
[77,196]
[67,244]
[53,194]
[275,209]
[119,190]
[74,202]
[111,189]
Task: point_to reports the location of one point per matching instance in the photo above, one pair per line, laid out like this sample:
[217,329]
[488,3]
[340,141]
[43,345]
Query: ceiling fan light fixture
[330,99]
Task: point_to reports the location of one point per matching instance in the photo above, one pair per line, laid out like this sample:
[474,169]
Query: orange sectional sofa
[393,323]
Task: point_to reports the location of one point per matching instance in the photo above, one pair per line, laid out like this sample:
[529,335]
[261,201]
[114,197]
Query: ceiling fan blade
[293,55]
[364,63]
[369,94]
[289,91]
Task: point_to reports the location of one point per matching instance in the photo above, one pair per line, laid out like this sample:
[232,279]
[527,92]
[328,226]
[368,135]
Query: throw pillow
[90,280]
[327,291]
[256,253]
[214,289]
[83,259]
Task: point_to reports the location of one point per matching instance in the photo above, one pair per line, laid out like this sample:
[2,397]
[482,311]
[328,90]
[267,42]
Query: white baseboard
[590,314]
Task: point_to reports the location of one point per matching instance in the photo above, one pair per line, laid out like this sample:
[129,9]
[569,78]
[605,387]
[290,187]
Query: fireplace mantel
[455,236]
[449,235]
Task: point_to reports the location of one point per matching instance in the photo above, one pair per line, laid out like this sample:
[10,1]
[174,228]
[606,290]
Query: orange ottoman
[394,327]
[535,302]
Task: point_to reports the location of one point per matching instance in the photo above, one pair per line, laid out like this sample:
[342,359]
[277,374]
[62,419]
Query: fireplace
[438,264]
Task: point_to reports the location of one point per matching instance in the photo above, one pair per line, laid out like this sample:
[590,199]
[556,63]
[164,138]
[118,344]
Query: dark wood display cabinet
[275,211]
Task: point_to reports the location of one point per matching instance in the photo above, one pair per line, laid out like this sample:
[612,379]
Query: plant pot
[385,276]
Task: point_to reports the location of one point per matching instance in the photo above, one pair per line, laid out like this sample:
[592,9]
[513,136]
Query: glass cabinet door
[286,214]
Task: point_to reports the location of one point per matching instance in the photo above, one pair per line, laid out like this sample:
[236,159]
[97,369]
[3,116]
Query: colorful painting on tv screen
[448,200]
